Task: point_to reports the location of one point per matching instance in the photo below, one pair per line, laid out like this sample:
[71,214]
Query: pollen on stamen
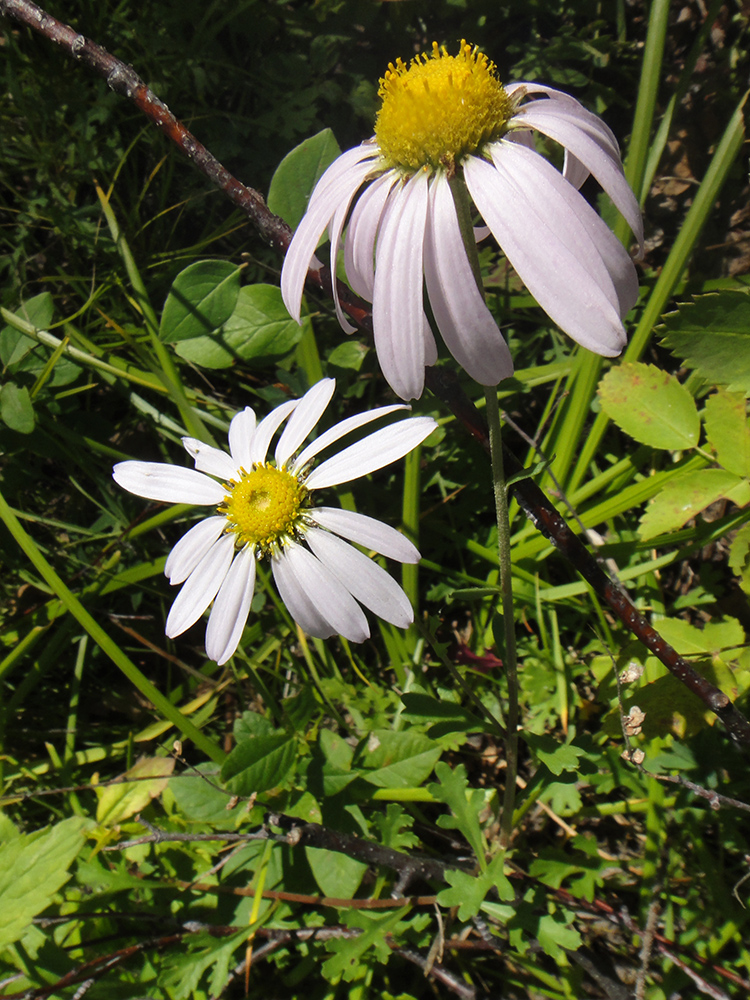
[264,507]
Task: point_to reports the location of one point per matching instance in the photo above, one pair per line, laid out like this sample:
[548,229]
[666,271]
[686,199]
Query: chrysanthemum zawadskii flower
[446,120]
[264,507]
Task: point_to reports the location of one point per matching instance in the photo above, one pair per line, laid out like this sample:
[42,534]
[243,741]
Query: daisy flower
[447,126]
[263,507]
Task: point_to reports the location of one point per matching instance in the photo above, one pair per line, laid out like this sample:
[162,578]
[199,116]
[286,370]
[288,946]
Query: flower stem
[509,654]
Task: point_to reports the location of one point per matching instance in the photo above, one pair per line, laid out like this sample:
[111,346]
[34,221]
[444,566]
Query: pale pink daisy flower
[263,506]
[447,120]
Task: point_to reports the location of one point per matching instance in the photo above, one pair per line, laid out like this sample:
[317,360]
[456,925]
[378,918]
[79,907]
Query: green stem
[510,664]
[106,644]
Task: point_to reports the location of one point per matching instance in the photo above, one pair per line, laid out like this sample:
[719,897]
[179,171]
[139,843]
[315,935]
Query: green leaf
[465,805]
[687,495]
[16,410]
[739,557]
[259,332]
[651,406]
[337,875]
[712,335]
[199,801]
[556,936]
[447,716]
[183,968]
[346,960]
[118,802]
[14,345]
[259,764]
[558,757]
[201,299]
[728,432]
[468,892]
[33,867]
[298,173]
[350,354]
[397,759]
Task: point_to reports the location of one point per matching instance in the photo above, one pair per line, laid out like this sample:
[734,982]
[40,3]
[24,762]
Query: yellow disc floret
[440,108]
[264,506]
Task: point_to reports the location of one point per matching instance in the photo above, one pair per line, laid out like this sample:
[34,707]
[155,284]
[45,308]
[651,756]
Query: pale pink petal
[228,616]
[335,230]
[266,430]
[539,251]
[211,460]
[192,547]
[168,483]
[241,431]
[373,452]
[366,531]
[201,587]
[362,577]
[397,308]
[362,231]
[307,413]
[339,430]
[466,324]
[295,596]
[564,100]
[570,129]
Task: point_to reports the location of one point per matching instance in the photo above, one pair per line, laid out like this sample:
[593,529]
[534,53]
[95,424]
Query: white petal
[210,460]
[569,129]
[201,587]
[324,601]
[366,531]
[334,188]
[169,483]
[266,430]
[335,229]
[339,430]
[241,431]
[539,252]
[397,305]
[307,413]
[192,547]
[362,231]
[466,324]
[584,231]
[373,452]
[228,616]
[363,578]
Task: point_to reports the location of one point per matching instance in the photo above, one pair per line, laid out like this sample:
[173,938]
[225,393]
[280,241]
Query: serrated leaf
[346,960]
[739,556]
[33,867]
[396,759]
[728,432]
[298,173]
[465,805]
[651,406]
[558,757]
[712,335]
[201,299]
[556,936]
[118,802]
[181,970]
[16,409]
[259,764]
[259,332]
[468,892]
[684,497]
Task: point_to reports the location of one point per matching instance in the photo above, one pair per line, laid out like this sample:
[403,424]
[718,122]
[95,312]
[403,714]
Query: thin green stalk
[105,643]
[510,665]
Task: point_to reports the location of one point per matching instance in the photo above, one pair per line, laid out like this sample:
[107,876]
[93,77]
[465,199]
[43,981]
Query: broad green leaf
[259,332]
[33,867]
[711,638]
[727,430]
[712,335]
[15,345]
[337,875]
[651,406]
[349,354]
[465,805]
[685,496]
[198,800]
[259,763]
[397,759]
[468,892]
[558,757]
[346,960]
[201,299]
[446,716]
[298,173]
[118,802]
[251,724]
[16,410]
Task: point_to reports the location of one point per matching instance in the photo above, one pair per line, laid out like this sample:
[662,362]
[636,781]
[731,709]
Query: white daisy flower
[264,507]
[445,120]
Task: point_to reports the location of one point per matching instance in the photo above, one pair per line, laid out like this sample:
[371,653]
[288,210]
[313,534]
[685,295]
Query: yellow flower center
[264,506]
[440,108]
